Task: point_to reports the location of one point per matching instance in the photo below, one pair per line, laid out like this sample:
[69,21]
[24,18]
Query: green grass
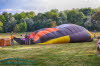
[69,54]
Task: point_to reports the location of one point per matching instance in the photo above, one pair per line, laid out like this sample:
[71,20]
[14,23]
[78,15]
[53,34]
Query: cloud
[13,11]
[69,4]
[45,5]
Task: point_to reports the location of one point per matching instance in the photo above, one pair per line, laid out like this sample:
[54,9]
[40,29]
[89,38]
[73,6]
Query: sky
[13,6]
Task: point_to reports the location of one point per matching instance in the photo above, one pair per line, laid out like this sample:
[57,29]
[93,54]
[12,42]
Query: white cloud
[69,4]
[45,5]
[21,10]
[14,10]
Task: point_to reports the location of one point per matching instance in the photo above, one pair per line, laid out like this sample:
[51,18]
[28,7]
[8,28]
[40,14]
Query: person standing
[98,46]
[94,33]
[26,39]
[29,39]
[12,39]
[21,37]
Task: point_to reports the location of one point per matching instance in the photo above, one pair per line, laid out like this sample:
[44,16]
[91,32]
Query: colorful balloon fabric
[64,33]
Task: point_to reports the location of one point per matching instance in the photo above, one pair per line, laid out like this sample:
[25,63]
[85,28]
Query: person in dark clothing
[29,39]
[12,39]
[26,39]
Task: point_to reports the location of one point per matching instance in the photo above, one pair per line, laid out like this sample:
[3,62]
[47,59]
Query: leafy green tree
[22,15]
[40,17]
[96,20]
[54,10]
[17,28]
[75,17]
[62,18]
[1,27]
[44,24]
[10,23]
[87,11]
[2,18]
[17,17]
[22,27]
[30,14]
[6,15]
[29,22]
[53,14]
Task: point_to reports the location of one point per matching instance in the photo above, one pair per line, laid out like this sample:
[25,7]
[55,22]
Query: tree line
[29,21]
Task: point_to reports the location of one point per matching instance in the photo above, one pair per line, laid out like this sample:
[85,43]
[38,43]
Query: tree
[87,11]
[75,17]
[30,14]
[22,27]
[1,27]
[22,15]
[53,14]
[2,18]
[44,24]
[54,10]
[6,15]
[96,20]
[29,22]
[17,28]
[10,23]
[62,18]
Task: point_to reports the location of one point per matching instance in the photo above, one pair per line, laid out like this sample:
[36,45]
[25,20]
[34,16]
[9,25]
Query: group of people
[25,38]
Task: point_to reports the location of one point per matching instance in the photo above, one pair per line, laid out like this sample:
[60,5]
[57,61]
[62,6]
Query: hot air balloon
[64,33]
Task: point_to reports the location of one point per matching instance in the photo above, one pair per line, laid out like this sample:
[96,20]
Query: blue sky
[44,5]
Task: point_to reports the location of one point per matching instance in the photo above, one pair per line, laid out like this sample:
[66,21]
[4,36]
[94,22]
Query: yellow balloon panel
[91,35]
[64,39]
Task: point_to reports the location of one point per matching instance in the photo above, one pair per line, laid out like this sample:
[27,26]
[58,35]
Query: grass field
[70,54]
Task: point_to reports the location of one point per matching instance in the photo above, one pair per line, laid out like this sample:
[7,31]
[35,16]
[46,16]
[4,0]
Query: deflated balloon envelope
[64,33]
